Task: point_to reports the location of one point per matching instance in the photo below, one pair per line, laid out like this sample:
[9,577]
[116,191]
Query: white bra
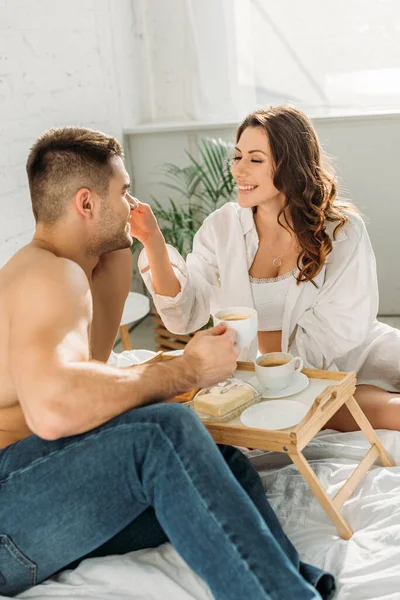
[269,296]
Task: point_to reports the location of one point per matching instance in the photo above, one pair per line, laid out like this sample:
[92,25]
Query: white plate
[274,414]
[300,382]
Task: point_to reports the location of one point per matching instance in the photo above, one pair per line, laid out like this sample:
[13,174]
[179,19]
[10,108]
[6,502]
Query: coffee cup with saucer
[279,374]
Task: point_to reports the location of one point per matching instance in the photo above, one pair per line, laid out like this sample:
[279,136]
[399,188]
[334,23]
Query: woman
[291,250]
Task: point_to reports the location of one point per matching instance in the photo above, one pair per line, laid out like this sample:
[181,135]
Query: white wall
[61,63]
[366,152]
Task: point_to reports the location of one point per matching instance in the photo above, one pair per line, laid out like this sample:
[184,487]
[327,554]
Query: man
[93,462]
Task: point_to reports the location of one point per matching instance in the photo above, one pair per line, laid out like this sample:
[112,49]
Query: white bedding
[367,566]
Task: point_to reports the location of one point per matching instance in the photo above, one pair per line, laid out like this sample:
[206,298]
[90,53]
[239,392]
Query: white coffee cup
[241,319]
[276,370]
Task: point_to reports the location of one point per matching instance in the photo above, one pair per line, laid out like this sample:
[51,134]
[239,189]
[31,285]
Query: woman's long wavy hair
[307,180]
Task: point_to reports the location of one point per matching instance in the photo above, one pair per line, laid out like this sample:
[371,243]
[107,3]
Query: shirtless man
[92,463]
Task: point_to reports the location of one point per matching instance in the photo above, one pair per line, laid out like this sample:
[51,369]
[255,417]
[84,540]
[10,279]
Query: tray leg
[369,431]
[310,477]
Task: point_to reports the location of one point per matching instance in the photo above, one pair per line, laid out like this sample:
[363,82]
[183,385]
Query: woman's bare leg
[381,408]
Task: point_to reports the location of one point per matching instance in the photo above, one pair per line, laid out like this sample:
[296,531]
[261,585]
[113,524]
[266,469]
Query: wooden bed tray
[339,390]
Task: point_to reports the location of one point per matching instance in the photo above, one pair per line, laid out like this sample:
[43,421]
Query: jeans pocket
[17,572]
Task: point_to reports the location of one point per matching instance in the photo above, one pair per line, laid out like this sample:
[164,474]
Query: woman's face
[253,169]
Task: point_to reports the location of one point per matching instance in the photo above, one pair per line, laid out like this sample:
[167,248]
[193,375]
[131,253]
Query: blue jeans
[148,476]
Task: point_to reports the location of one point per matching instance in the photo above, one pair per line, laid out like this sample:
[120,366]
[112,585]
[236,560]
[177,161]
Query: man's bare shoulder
[42,265]
[34,275]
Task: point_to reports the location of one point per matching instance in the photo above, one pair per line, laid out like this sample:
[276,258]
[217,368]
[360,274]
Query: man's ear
[85,202]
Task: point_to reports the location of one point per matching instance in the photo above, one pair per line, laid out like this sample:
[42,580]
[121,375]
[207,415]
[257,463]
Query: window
[327,57]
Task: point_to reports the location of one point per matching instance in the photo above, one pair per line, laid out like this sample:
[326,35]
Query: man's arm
[61,391]
[110,284]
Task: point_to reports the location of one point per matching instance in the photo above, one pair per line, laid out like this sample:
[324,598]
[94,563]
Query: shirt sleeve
[346,306]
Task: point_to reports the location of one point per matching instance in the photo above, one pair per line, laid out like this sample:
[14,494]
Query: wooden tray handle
[326,398]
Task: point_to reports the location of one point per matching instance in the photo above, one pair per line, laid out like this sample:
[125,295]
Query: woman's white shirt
[331,325]
[269,296]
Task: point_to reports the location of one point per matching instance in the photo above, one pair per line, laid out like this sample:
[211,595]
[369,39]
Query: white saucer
[300,382]
[274,414]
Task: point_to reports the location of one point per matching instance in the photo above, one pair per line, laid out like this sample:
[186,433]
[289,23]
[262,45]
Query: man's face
[113,231]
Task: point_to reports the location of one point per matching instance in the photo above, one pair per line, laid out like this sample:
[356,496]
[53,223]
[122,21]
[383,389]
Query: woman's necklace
[277,260]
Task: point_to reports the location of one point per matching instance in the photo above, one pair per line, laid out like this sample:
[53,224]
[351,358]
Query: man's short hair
[64,160]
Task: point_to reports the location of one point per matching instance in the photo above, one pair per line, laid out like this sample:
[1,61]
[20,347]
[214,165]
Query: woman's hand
[144,227]
[143,223]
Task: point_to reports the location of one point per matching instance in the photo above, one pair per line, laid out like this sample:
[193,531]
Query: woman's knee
[381,408]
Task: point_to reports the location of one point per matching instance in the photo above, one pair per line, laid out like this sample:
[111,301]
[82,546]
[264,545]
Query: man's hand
[143,223]
[212,354]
